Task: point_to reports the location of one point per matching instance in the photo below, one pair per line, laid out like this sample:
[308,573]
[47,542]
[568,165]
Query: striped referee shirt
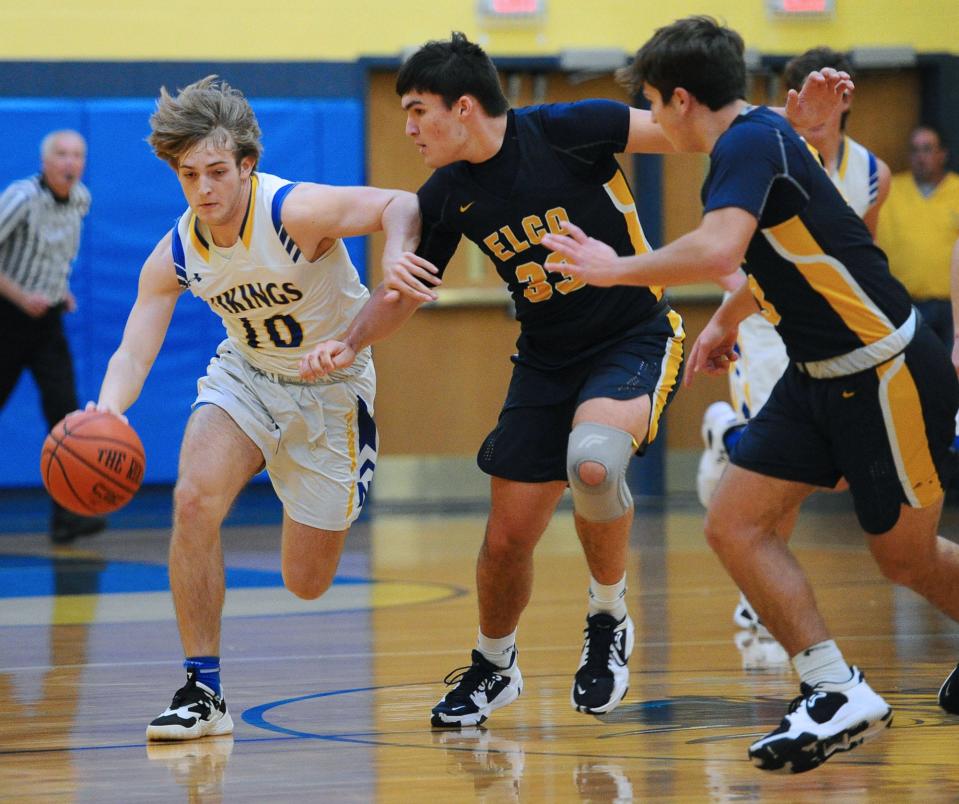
[40,235]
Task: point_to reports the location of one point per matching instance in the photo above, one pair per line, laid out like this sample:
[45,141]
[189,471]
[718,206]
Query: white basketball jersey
[857,176]
[275,304]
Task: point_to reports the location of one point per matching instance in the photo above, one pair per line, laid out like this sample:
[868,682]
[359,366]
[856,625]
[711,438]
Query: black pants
[37,344]
[937,313]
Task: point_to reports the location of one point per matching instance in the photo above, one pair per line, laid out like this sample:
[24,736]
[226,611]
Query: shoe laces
[599,638]
[470,678]
[189,693]
[805,690]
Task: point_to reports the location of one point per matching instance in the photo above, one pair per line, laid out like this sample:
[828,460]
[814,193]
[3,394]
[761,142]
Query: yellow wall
[345,29]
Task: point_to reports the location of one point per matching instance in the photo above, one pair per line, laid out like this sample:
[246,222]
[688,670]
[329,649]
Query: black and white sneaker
[603,677]
[196,711]
[820,722]
[478,690]
[949,693]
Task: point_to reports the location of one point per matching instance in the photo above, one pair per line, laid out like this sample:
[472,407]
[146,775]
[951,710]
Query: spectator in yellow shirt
[918,227]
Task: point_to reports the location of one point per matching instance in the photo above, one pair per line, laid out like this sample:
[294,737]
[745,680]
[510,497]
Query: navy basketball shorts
[887,430]
[530,439]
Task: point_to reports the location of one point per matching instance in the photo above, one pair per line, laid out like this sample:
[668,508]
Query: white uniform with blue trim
[318,439]
[762,356]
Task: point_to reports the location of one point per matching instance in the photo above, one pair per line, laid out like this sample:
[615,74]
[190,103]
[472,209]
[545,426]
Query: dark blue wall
[136,199]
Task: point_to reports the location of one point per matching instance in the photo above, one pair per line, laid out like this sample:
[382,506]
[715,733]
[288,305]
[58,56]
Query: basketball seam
[66,478]
[97,469]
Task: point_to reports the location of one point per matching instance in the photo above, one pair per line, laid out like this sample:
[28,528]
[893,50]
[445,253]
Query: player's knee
[596,461]
[306,584]
[909,569]
[192,503]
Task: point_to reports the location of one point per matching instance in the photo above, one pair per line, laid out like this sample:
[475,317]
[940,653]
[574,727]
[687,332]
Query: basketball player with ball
[266,254]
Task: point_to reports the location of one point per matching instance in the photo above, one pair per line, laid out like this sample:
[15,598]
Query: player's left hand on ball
[584,257]
[325,357]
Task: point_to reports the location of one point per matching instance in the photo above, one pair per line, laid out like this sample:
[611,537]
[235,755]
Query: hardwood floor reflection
[331,701]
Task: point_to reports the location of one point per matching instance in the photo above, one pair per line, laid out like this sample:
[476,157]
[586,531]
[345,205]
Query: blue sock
[731,437]
[207,669]
[955,444]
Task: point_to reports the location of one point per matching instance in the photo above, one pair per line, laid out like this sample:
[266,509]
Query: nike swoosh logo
[848,394]
[580,690]
[456,708]
[466,206]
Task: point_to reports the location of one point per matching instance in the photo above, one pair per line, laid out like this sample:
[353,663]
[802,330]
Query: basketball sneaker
[196,711]
[478,690]
[822,721]
[949,693]
[717,419]
[603,677]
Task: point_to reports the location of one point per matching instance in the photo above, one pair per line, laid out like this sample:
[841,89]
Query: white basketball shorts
[318,441]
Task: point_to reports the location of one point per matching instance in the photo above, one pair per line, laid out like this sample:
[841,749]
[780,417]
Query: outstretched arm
[710,253]
[314,214]
[381,316]
[714,351]
[818,97]
[144,332]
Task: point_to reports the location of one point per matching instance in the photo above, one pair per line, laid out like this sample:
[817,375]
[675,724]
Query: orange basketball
[92,463]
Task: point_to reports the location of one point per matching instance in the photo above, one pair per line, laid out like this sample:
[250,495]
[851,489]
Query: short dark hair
[452,68]
[796,69]
[696,53]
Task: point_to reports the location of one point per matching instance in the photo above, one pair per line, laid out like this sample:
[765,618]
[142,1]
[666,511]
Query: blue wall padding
[136,199]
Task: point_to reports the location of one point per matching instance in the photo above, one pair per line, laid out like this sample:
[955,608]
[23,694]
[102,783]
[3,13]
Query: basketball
[92,463]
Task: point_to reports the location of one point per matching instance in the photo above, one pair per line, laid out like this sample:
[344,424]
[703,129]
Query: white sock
[498,651]
[609,599]
[823,662]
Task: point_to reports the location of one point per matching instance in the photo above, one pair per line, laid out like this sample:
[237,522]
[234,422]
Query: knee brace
[611,448]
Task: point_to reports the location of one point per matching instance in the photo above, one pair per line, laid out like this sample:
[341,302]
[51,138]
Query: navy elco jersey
[812,264]
[556,164]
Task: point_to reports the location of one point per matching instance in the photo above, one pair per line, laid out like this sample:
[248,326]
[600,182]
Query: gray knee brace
[611,448]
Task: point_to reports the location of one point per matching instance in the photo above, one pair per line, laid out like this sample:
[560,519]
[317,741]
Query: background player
[869,394]
[594,370]
[266,255]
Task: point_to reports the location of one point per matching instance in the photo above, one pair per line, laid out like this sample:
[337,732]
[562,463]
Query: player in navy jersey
[869,393]
[594,370]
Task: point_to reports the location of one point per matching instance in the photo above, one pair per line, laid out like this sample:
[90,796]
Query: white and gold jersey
[857,176]
[275,304]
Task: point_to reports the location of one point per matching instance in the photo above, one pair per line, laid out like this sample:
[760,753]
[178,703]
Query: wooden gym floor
[331,699]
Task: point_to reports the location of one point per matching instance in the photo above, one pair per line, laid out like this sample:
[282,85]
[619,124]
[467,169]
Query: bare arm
[819,95]
[381,316]
[711,252]
[314,214]
[144,332]
[714,349]
[871,218]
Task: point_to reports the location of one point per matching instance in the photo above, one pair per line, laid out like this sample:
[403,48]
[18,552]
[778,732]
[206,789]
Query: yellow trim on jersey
[906,430]
[246,228]
[351,446]
[617,188]
[197,238]
[830,278]
[668,375]
[843,158]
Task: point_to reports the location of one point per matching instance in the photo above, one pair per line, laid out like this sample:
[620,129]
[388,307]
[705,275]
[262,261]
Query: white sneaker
[717,419]
[478,690]
[196,712]
[822,721]
[602,678]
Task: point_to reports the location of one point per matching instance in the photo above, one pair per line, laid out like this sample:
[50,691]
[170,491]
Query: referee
[40,220]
